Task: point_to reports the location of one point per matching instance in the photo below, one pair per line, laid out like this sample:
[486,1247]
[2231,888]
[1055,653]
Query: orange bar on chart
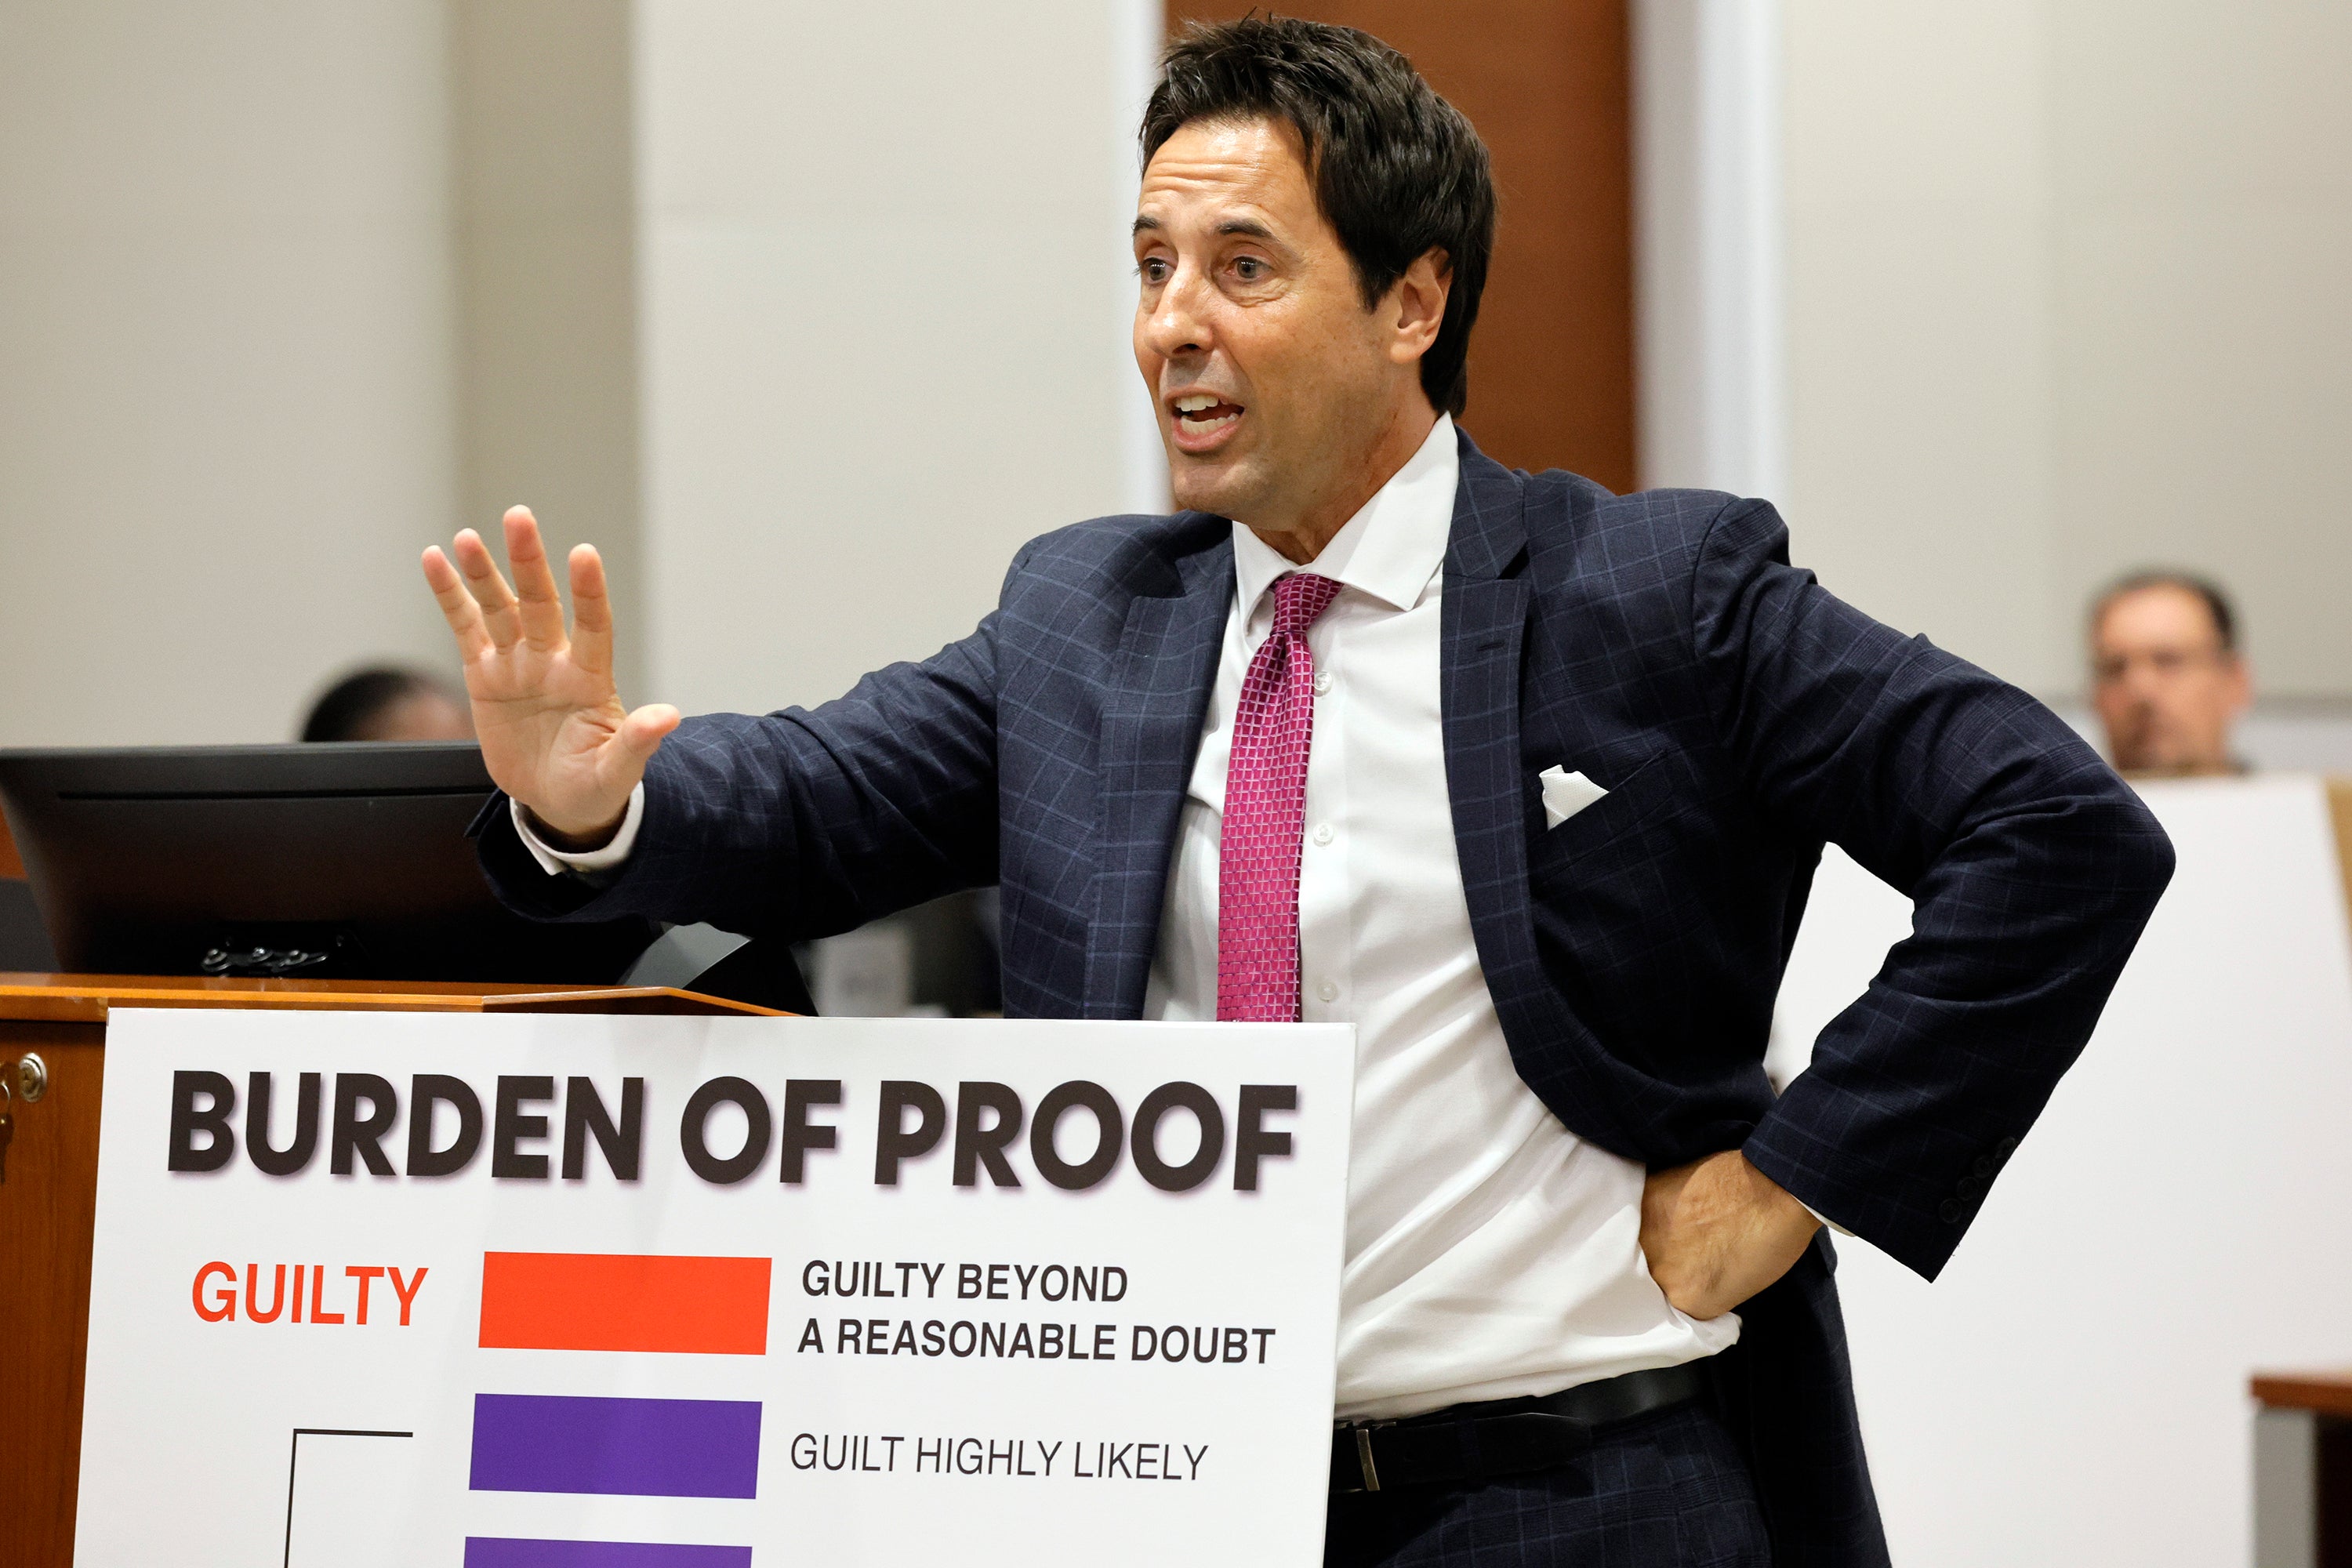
[622,1301]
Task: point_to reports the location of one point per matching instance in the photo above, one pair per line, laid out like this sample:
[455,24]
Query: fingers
[458,606]
[500,616]
[622,761]
[541,610]
[643,732]
[592,613]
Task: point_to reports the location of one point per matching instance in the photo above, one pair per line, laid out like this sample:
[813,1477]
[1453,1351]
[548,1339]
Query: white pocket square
[1566,793]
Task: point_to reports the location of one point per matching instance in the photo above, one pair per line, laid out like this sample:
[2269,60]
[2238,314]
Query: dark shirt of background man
[388,704]
[2168,678]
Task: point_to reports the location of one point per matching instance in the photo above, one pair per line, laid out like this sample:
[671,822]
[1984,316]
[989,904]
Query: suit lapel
[1160,682]
[1483,626]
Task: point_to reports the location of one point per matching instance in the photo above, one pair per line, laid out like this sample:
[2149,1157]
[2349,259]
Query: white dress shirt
[555,862]
[1491,1252]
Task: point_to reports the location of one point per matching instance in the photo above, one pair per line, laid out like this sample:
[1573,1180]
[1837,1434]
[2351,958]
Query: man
[2167,675]
[1525,780]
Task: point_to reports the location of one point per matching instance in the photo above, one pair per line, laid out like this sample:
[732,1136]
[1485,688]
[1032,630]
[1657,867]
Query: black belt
[1500,1437]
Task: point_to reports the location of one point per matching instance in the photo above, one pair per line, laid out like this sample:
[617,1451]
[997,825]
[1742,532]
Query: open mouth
[1202,416]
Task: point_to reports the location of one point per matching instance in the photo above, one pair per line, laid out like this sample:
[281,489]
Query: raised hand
[552,729]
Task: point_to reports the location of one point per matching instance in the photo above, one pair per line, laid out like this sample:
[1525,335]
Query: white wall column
[1709,241]
[882,332]
[1138,34]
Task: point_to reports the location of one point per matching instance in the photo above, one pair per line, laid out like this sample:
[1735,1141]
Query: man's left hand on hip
[1719,1230]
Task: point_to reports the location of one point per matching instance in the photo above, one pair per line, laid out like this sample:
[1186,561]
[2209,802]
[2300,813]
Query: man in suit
[1525,780]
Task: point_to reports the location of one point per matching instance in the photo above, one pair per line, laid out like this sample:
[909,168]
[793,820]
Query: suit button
[2005,1148]
[1986,1165]
[1970,1186]
[1952,1211]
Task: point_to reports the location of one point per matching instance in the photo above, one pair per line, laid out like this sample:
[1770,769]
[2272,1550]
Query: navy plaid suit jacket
[1739,716]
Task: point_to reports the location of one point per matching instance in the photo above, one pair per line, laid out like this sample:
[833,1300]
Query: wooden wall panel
[1547,82]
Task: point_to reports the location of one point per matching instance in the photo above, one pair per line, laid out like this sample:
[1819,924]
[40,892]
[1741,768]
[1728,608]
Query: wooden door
[1547,82]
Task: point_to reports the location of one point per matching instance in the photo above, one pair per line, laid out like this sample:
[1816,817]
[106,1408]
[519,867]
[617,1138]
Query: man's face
[2166,688]
[1273,384]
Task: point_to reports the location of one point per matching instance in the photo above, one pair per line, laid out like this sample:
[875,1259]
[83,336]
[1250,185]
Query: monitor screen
[338,861]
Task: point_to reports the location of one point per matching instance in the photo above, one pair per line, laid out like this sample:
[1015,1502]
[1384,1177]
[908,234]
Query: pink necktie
[1266,799]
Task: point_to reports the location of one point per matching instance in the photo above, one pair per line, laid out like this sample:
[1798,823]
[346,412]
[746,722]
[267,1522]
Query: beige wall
[2067,296]
[808,316]
[883,288]
[225,405]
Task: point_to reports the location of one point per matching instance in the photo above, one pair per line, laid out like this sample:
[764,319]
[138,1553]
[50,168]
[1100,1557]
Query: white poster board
[2073,1389]
[708,1292]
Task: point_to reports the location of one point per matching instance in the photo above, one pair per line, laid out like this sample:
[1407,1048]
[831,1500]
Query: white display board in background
[2072,1390]
[605,1292]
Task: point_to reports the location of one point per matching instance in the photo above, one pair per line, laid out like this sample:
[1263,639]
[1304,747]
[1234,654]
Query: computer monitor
[332,861]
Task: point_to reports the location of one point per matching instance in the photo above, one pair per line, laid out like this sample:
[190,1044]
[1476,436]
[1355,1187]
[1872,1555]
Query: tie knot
[1298,599]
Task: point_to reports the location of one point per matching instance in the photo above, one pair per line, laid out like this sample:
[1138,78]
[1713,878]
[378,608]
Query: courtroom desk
[2303,1469]
[48,1188]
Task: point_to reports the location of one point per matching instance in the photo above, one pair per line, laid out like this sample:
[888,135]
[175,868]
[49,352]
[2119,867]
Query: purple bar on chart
[497,1551]
[623,1448]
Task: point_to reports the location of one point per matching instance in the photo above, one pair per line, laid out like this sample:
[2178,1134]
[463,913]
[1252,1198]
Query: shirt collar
[1391,548]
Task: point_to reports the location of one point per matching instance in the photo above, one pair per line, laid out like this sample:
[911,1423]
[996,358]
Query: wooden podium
[52,1063]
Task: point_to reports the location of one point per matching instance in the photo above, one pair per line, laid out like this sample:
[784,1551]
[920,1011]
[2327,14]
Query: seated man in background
[388,703]
[2166,676]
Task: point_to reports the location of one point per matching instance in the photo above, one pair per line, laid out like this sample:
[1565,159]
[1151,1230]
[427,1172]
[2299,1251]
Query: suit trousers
[1668,1489]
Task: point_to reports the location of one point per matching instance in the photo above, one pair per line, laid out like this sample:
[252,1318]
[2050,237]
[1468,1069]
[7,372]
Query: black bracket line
[295,1458]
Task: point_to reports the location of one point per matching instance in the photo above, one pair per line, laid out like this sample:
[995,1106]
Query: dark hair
[2217,602]
[350,707]
[1398,170]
